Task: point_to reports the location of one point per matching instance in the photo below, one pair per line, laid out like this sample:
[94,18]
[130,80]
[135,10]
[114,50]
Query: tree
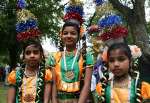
[135,18]
[48,13]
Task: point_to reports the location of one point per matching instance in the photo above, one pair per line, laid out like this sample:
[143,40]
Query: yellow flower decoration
[103,9]
[23,15]
[76,2]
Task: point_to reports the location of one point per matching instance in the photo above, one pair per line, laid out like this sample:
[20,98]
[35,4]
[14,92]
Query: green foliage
[48,12]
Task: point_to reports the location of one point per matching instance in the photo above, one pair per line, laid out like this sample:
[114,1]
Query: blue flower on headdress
[110,21]
[21,4]
[74,8]
[24,26]
[99,2]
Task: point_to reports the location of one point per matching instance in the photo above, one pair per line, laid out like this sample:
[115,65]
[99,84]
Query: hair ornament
[74,12]
[76,2]
[27,24]
[21,4]
[135,51]
[111,28]
[99,2]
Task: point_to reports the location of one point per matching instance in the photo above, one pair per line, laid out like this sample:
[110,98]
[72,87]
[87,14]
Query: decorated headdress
[112,28]
[74,12]
[27,25]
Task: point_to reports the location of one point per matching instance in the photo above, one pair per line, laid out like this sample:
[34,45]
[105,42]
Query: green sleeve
[51,60]
[89,59]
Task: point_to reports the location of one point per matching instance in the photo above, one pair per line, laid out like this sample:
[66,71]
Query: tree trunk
[13,56]
[136,20]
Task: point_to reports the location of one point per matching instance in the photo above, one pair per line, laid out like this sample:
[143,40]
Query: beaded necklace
[131,91]
[69,74]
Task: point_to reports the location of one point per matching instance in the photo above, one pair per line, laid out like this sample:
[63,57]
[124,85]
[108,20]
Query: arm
[47,92]
[54,90]
[86,88]
[11,95]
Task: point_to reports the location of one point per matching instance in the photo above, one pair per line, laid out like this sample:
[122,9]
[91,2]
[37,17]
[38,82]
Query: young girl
[32,82]
[70,65]
[124,86]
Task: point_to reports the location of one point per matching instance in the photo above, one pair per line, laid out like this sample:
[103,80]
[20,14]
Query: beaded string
[74,59]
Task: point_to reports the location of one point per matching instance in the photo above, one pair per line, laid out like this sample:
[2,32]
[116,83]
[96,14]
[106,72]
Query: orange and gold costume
[28,86]
[121,95]
[68,90]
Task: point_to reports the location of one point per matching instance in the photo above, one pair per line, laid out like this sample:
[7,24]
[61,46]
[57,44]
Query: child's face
[118,63]
[32,56]
[69,36]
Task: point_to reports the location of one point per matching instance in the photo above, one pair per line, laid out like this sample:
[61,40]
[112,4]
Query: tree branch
[120,7]
[139,9]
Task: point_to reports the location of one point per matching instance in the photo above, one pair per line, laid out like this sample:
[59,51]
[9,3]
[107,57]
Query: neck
[35,68]
[30,72]
[121,78]
[122,82]
[70,48]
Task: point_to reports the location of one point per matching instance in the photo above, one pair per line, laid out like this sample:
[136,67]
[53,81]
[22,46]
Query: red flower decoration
[73,15]
[105,36]
[119,31]
[32,33]
[115,33]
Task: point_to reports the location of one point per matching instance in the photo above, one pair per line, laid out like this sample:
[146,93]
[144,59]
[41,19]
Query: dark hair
[123,47]
[69,23]
[35,44]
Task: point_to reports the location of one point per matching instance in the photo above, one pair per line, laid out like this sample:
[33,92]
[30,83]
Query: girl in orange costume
[32,82]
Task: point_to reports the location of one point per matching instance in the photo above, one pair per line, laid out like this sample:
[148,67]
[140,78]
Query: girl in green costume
[124,86]
[72,68]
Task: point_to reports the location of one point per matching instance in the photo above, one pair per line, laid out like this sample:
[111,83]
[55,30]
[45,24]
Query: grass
[3,93]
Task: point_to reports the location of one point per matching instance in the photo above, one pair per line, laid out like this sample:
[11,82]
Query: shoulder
[12,78]
[48,75]
[53,57]
[145,90]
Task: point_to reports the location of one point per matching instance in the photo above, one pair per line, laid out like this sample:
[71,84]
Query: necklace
[30,73]
[129,89]
[29,85]
[69,74]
